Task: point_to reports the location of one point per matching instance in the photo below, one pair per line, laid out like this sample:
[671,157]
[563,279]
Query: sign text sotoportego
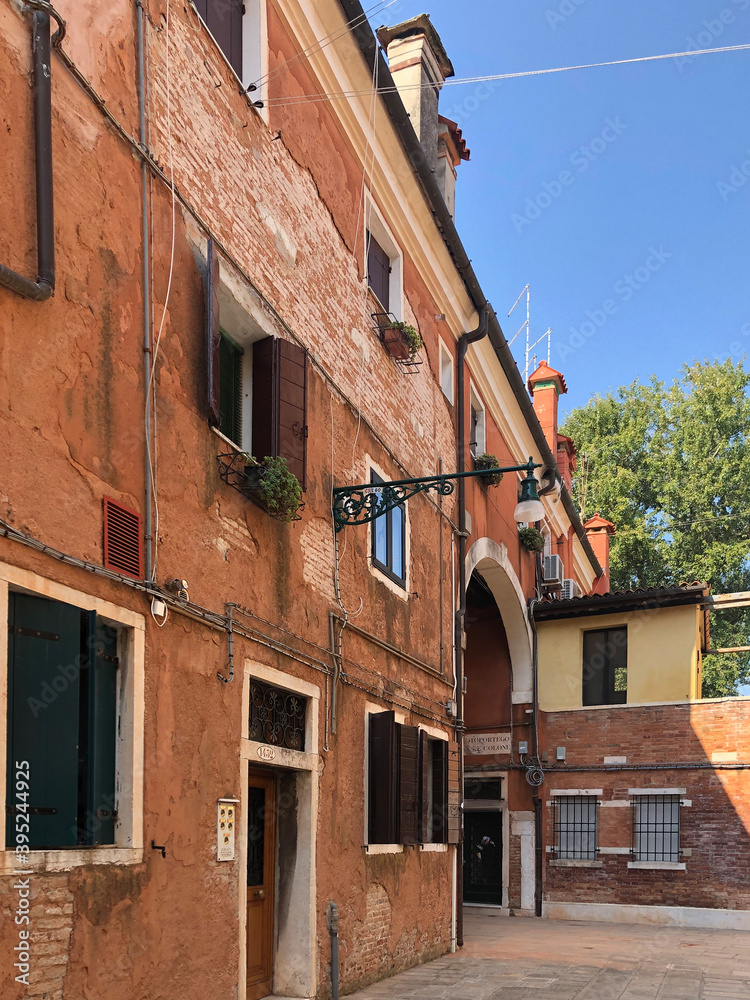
[486,743]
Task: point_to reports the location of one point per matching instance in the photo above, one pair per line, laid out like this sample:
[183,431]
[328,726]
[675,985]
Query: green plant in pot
[532,539]
[276,487]
[487,461]
[402,340]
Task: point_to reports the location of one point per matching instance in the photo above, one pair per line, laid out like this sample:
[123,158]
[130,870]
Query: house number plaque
[267,753]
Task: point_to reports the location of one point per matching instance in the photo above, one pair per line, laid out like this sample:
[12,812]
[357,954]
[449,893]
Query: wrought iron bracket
[362,504]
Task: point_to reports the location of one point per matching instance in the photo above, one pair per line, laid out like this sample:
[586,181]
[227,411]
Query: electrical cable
[496,77]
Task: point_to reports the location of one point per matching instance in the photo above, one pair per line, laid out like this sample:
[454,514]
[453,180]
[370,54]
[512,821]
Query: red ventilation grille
[122,539]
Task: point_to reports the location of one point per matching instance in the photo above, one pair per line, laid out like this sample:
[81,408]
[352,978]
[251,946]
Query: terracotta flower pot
[394,341]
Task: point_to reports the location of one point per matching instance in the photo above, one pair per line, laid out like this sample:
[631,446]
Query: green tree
[669,465]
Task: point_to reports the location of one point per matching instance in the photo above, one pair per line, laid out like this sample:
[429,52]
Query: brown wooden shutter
[382,817]
[439,791]
[408,784]
[280,403]
[213,336]
[223,18]
[454,794]
[425,771]
[123,551]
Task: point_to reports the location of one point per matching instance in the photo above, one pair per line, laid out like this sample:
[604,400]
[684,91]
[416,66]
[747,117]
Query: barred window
[656,828]
[575,826]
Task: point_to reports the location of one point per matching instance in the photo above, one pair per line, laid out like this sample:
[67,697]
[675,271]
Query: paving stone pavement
[519,958]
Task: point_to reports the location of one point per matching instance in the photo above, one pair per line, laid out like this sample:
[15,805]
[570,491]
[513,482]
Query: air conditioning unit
[570,589]
[553,571]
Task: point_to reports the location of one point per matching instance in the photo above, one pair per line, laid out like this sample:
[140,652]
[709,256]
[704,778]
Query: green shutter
[230,392]
[43,712]
[102,725]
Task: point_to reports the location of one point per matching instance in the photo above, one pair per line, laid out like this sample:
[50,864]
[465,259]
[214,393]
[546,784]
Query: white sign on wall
[478,744]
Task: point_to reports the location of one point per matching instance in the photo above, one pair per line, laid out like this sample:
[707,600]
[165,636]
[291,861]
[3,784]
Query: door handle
[260,893]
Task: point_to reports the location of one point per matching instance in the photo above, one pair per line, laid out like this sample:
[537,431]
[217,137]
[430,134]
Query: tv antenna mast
[527,327]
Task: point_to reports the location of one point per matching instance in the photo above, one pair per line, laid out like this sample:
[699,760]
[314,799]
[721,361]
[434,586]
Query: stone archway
[490,558]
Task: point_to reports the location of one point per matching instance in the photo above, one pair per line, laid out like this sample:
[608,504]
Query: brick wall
[714,818]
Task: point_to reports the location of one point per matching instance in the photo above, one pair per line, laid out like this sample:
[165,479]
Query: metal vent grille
[122,539]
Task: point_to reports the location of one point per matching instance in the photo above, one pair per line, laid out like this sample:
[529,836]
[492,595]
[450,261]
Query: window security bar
[656,828]
[576,827]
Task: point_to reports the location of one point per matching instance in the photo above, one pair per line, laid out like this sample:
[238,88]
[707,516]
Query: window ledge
[384,848]
[658,866]
[576,863]
[74,857]
[434,848]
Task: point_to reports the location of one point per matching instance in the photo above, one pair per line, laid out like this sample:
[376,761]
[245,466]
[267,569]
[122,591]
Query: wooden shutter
[123,549]
[223,18]
[280,403]
[230,381]
[378,271]
[425,777]
[382,779]
[408,784]
[213,336]
[454,794]
[101,722]
[439,791]
[44,645]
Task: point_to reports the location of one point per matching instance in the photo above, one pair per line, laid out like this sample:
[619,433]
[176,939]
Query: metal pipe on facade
[333,930]
[142,139]
[463,344]
[44,285]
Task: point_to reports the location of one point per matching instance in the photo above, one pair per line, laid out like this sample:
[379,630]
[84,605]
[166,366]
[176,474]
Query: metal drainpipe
[44,285]
[148,525]
[463,343]
[333,930]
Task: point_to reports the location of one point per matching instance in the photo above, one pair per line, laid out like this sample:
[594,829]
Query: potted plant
[532,539]
[273,486]
[487,461]
[402,341]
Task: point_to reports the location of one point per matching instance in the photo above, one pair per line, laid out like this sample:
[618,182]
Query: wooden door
[261,853]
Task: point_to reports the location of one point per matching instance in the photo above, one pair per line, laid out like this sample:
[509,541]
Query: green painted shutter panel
[439,791]
[408,784]
[382,816]
[102,729]
[230,393]
[213,335]
[44,645]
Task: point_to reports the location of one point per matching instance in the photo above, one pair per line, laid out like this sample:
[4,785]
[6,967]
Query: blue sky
[617,193]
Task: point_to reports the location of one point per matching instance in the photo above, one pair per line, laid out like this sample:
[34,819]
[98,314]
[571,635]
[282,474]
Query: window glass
[656,832]
[389,541]
[605,667]
[230,379]
[575,826]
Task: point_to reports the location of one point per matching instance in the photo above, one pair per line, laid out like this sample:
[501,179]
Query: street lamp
[530,508]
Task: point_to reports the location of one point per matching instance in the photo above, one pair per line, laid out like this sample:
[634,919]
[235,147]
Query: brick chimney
[546,386]
[417,60]
[598,530]
[451,150]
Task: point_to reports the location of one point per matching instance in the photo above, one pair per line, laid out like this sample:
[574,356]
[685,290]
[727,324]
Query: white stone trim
[384,848]
[657,791]
[577,791]
[376,224]
[434,848]
[128,846]
[616,803]
[302,959]
[663,916]
[615,760]
[682,703]
[613,850]
[576,863]
[658,866]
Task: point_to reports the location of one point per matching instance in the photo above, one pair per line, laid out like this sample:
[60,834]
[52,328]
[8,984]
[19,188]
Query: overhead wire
[496,77]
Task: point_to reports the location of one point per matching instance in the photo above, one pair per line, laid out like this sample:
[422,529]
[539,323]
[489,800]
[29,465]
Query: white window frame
[128,846]
[638,797]
[435,734]
[477,405]
[376,225]
[446,372]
